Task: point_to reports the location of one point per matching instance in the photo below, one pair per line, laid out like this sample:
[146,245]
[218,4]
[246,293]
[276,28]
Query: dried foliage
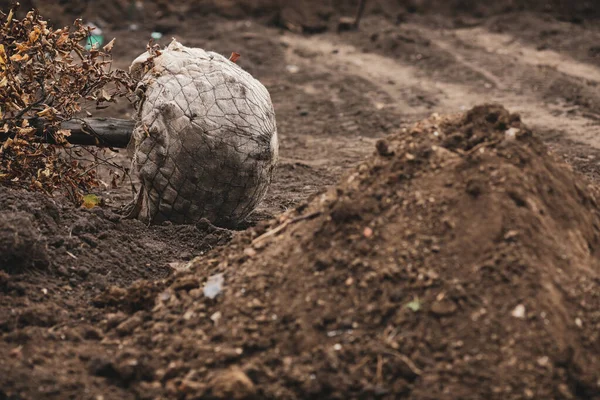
[45,76]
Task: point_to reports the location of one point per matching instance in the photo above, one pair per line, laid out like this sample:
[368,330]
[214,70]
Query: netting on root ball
[206,139]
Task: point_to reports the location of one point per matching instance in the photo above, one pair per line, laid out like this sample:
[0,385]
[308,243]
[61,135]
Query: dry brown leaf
[45,75]
[109,46]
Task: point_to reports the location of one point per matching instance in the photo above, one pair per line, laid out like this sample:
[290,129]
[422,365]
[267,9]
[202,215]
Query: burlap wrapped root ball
[205,142]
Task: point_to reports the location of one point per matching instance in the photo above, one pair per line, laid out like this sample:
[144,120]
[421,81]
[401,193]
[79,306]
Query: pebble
[443,307]
[232,384]
[128,326]
[216,317]
[250,252]
[519,312]
[292,69]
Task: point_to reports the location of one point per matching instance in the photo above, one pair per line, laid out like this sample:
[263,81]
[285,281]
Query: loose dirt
[456,258]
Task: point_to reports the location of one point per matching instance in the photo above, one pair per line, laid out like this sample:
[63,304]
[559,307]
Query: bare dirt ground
[73,324]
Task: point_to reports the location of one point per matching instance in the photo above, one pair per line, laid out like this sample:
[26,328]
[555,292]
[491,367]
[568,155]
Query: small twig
[361,364]
[103,161]
[284,225]
[359,13]
[481,146]
[409,363]
[71,255]
[379,373]
[41,101]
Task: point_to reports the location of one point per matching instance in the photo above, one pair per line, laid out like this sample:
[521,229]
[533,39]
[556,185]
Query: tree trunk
[101,132]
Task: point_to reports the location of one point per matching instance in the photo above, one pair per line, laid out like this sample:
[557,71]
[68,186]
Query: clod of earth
[205,141]
[20,247]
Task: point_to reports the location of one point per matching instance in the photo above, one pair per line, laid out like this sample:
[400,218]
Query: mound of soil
[460,261]
[20,247]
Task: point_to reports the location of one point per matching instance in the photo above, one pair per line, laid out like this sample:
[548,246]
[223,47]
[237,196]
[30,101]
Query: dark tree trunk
[101,132]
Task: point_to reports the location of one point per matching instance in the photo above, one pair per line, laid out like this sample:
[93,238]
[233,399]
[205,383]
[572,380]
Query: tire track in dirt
[507,45]
[524,81]
[552,91]
[397,81]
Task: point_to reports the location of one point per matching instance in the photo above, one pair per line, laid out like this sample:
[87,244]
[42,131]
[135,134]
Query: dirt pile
[461,261]
[20,247]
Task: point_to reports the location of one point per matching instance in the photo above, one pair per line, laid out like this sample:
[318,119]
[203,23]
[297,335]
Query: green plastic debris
[94,41]
[414,305]
[96,38]
[156,35]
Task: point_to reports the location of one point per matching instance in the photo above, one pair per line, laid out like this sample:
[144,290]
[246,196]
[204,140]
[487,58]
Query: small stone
[192,388]
[564,390]
[250,252]
[232,384]
[443,307]
[189,314]
[511,235]
[16,352]
[292,69]
[115,319]
[165,296]
[128,326]
[543,361]
[519,312]
[216,317]
[337,347]
[511,133]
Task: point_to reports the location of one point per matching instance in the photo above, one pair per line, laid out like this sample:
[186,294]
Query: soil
[455,257]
